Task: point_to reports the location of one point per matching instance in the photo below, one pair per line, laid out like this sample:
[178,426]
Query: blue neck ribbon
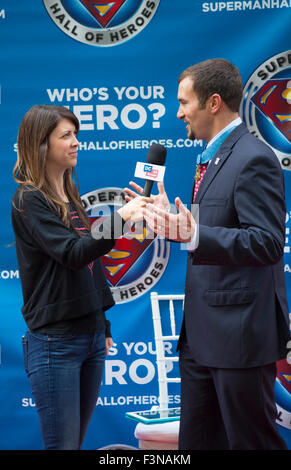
[210,151]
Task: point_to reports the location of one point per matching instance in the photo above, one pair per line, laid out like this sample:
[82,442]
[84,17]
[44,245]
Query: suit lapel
[218,160]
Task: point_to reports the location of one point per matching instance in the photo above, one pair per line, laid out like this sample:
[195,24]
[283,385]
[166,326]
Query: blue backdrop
[116,65]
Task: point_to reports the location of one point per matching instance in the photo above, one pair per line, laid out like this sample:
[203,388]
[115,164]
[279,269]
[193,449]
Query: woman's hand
[160,200]
[133,210]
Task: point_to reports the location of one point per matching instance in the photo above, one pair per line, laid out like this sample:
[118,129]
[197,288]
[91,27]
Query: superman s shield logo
[103,10]
[274,101]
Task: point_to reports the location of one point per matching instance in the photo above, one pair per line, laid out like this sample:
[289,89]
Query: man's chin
[191,135]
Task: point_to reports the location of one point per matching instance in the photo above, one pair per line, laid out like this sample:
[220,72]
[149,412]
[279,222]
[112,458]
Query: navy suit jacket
[235,311]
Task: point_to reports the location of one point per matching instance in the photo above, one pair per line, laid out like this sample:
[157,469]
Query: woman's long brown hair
[30,172]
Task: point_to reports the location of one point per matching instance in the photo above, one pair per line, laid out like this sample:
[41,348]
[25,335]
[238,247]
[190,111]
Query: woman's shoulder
[26,195]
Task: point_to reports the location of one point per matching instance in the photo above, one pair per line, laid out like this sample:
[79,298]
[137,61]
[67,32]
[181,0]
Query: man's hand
[108,344]
[177,227]
[159,200]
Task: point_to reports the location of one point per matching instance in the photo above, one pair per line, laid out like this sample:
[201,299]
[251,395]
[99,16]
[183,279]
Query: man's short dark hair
[216,76]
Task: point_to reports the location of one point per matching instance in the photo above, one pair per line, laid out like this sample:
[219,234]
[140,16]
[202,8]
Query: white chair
[163,435]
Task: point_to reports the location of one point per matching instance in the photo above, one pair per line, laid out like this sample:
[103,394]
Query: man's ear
[214,103]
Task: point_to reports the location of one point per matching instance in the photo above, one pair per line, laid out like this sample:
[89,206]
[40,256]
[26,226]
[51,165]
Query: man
[235,324]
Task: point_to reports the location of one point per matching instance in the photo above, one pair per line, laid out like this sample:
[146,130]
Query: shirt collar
[235,122]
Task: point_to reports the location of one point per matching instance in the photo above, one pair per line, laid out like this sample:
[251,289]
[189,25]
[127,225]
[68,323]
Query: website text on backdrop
[65,293]
[235,325]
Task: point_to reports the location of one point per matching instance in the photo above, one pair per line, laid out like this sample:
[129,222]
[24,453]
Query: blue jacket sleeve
[259,206]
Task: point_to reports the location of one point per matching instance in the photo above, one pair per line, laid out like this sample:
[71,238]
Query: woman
[65,292]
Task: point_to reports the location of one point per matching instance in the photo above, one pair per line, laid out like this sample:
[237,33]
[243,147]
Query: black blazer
[235,312]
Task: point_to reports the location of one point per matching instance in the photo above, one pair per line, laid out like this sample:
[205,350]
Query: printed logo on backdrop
[101,22]
[138,259]
[266,107]
[266,110]
[283,379]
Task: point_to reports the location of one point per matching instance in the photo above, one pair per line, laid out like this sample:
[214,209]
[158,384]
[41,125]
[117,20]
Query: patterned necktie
[204,158]
[199,176]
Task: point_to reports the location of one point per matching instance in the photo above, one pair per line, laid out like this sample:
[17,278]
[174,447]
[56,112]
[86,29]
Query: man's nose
[180,113]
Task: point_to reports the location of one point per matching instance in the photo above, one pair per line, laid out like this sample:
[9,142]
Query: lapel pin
[217,161]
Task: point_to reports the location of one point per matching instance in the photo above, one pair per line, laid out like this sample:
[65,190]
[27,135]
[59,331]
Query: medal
[198,172]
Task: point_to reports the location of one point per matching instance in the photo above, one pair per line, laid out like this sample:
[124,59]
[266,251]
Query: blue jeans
[65,373]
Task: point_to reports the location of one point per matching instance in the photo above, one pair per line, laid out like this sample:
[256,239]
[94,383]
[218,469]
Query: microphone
[153,170]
